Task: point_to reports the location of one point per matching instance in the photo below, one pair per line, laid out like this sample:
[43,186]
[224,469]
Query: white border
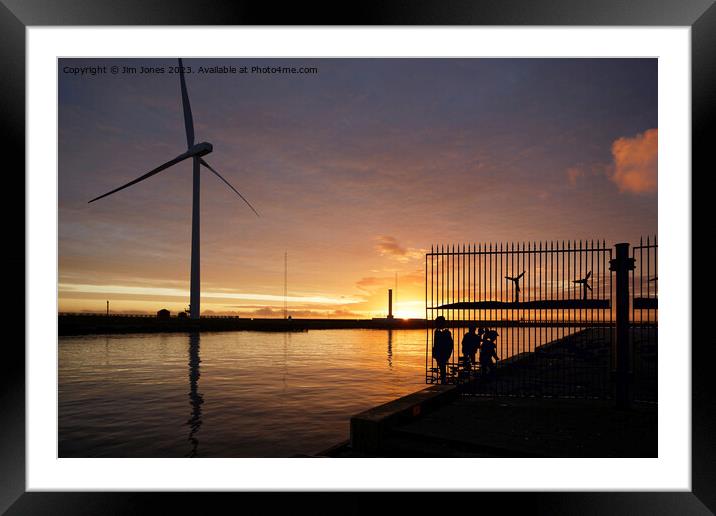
[670,471]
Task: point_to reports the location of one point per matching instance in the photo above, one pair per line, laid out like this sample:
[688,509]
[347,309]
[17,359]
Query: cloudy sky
[356,170]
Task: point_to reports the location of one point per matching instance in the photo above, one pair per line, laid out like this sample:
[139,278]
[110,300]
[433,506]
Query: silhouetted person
[480,336]
[442,346]
[488,351]
[470,345]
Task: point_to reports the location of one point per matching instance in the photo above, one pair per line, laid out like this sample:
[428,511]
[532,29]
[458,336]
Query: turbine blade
[588,275]
[523,273]
[188,120]
[587,285]
[229,185]
[149,174]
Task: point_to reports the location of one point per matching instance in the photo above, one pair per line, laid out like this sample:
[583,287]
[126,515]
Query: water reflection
[163,346]
[106,351]
[286,341]
[390,349]
[195,397]
[268,394]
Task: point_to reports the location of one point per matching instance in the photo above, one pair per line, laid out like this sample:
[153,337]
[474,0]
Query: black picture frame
[16,15]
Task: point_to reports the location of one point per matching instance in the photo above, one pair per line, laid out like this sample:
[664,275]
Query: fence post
[622,264]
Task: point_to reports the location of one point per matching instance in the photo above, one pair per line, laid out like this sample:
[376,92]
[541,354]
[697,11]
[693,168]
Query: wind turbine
[196,153]
[584,284]
[516,281]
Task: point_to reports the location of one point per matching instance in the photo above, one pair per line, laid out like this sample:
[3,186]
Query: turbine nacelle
[200,149]
[516,281]
[584,282]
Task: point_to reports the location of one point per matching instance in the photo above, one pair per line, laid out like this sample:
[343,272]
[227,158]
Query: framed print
[415,250]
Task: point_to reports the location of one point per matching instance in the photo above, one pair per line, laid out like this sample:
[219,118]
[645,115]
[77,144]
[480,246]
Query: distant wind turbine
[195,152]
[516,281]
[584,284]
[654,280]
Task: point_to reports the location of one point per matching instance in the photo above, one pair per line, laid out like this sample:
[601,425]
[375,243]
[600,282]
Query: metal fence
[552,306]
[644,320]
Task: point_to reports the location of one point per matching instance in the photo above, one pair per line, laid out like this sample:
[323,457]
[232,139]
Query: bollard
[621,265]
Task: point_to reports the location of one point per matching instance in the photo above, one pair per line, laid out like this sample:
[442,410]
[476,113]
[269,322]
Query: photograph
[357,257]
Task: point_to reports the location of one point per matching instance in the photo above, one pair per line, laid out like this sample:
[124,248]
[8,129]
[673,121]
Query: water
[229,394]
[238,394]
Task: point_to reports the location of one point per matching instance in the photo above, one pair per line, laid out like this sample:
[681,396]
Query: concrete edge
[368,429]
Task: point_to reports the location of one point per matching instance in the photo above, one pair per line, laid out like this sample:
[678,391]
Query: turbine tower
[516,281]
[584,284]
[195,152]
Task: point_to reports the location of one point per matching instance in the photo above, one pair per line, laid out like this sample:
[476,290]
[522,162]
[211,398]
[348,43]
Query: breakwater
[81,324]
[94,324]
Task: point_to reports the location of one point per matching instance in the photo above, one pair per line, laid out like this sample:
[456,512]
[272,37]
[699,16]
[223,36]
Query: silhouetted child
[442,346]
[488,351]
[470,345]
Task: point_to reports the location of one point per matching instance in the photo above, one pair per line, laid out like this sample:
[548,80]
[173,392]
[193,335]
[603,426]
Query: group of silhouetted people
[484,341]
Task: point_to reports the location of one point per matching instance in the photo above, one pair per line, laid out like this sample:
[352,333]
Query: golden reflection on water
[250,393]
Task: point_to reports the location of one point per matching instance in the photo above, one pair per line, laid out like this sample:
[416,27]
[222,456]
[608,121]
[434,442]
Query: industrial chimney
[390,303]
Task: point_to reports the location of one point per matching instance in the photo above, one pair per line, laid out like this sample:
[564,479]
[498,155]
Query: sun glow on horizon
[132,299]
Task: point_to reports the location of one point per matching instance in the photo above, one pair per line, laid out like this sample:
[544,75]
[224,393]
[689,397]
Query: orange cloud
[388,245]
[371,282]
[636,162]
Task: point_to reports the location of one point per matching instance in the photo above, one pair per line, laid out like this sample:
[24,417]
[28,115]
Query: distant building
[182,315]
[163,313]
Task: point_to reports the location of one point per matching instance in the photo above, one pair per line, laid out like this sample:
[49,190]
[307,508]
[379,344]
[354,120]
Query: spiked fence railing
[551,303]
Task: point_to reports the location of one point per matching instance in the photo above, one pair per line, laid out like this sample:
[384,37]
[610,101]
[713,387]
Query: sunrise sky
[356,170]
